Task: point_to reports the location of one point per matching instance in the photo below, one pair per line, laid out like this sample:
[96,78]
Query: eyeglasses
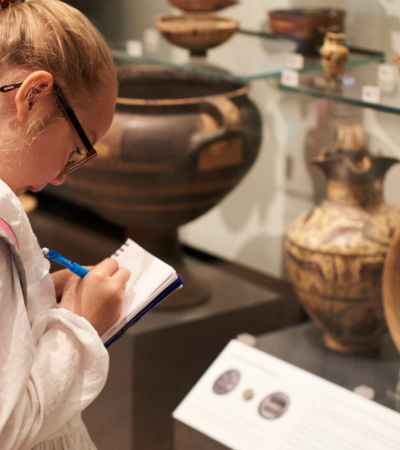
[73,120]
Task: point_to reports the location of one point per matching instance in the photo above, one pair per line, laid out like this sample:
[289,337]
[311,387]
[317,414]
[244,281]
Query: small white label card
[371,94]
[387,78]
[151,39]
[295,61]
[290,78]
[387,72]
[134,48]
[249,400]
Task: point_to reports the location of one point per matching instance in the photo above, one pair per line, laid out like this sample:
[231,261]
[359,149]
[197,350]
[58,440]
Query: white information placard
[151,39]
[295,61]
[387,78]
[371,94]
[134,48]
[387,72]
[249,400]
[290,78]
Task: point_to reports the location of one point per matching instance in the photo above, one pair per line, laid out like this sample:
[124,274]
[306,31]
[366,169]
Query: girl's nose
[59,180]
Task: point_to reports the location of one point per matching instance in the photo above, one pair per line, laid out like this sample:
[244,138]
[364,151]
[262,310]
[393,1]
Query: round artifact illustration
[248,394]
[274,406]
[226,382]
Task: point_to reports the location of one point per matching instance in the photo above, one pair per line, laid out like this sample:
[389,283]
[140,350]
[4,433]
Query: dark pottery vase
[335,253]
[178,144]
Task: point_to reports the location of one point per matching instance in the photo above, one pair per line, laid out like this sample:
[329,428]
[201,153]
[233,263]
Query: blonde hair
[53,36]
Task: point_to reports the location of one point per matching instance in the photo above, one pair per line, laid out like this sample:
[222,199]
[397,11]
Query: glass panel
[234,59]
[351,90]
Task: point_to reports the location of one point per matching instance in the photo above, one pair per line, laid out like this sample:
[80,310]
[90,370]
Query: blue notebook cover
[167,291]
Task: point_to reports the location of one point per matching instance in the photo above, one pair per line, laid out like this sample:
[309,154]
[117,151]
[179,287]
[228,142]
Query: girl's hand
[60,279]
[98,296]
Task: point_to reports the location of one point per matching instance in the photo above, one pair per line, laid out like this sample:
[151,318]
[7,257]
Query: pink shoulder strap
[5,227]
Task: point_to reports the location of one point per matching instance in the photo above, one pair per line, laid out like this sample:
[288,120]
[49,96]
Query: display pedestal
[156,363]
[302,346]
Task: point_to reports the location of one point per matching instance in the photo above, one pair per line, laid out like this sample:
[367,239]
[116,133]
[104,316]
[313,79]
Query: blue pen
[73,267]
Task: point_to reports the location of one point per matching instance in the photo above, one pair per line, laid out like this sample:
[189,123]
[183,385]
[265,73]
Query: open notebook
[151,282]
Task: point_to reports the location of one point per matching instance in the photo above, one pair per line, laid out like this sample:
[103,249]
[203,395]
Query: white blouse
[52,362]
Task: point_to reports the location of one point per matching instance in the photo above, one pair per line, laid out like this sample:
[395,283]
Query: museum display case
[207,165]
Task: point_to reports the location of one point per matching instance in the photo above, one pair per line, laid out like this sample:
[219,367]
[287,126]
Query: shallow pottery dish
[202,5]
[196,34]
[306,26]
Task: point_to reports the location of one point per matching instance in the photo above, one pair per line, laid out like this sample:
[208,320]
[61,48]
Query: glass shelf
[350,91]
[247,56]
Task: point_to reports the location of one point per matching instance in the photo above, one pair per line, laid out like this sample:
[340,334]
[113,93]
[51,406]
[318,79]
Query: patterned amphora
[335,253]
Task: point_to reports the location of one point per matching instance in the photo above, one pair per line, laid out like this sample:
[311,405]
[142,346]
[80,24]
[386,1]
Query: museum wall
[249,225]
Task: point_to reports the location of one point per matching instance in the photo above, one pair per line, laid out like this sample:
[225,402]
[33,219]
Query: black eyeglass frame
[73,120]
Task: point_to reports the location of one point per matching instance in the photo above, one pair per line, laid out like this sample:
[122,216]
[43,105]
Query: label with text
[295,61]
[371,94]
[290,78]
[249,400]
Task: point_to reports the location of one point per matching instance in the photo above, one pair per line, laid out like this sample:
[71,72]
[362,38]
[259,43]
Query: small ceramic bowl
[196,34]
[306,26]
[202,5]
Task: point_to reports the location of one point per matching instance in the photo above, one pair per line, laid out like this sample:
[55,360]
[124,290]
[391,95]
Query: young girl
[58,91]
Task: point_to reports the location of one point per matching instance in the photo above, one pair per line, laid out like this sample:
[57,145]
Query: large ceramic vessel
[391,289]
[391,281]
[178,144]
[336,252]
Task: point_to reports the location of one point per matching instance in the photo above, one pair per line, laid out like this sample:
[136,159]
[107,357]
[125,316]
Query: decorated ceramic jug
[336,252]
[334,55]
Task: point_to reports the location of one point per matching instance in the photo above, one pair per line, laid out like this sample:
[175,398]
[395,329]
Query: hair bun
[7,3]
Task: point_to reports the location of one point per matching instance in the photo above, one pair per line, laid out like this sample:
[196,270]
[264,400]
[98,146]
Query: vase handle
[230,128]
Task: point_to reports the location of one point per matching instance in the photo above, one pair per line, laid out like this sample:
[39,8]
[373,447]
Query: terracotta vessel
[391,280]
[178,144]
[197,34]
[334,55]
[396,59]
[391,289]
[335,252]
[306,26]
[202,5]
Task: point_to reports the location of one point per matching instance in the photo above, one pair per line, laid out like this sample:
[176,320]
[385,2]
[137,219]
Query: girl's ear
[30,94]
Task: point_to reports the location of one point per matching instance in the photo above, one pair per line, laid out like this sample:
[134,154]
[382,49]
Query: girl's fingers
[107,267]
[122,276]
